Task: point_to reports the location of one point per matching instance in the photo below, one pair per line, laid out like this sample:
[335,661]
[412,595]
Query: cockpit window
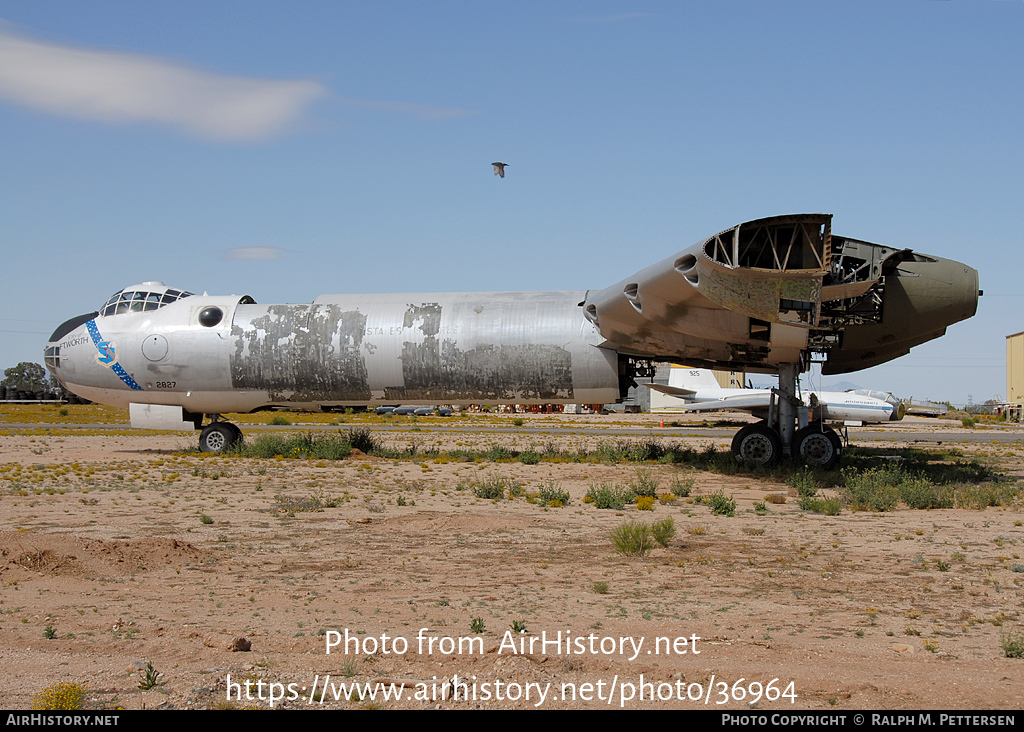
[131,300]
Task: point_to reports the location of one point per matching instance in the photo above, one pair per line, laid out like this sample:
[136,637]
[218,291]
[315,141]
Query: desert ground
[152,576]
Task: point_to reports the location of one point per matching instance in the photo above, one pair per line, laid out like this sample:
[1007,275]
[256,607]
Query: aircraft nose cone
[51,357]
[68,336]
[58,359]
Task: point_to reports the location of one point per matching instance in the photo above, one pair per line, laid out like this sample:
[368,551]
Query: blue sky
[286,150]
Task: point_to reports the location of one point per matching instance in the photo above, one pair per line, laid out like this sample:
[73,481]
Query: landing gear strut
[218,436]
[766,442]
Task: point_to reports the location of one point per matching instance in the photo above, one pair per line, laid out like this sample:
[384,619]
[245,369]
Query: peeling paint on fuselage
[489,347]
[299,353]
[488,373]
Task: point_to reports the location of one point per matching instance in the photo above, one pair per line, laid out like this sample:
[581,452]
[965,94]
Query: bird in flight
[499,169]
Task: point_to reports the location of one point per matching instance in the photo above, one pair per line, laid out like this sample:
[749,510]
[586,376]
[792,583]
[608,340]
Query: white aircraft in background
[699,391]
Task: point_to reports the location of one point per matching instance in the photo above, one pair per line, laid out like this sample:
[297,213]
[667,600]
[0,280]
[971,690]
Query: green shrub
[492,487]
[609,496]
[315,447]
[681,487]
[325,447]
[918,492]
[804,482]
[831,506]
[312,503]
[633,539]
[633,451]
[982,495]
[265,445]
[350,667]
[720,504]
[529,457]
[362,440]
[279,419]
[644,485]
[827,506]
[663,531]
[497,453]
[150,677]
[925,485]
[550,492]
[1013,645]
[875,489]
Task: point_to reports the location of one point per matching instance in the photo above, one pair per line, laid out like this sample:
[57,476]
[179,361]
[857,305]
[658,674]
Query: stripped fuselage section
[348,350]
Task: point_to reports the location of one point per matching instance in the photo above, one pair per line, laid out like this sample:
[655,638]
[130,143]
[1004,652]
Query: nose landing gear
[218,436]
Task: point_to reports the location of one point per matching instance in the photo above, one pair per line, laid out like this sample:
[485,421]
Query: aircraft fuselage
[224,354]
[761,296]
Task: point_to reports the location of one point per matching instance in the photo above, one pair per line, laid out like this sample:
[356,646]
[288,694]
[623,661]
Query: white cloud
[254,253]
[127,87]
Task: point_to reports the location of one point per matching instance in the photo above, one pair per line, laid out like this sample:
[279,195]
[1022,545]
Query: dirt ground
[118,550]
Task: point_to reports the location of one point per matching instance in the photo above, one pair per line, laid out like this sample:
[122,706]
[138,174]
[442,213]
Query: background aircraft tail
[702,381]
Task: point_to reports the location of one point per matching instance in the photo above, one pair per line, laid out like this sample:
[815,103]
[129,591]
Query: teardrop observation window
[209,317]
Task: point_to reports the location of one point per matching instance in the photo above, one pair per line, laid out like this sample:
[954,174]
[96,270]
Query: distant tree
[26,376]
[988,407]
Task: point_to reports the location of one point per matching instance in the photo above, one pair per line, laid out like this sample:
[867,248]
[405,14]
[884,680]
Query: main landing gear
[817,444]
[218,436]
[766,442]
